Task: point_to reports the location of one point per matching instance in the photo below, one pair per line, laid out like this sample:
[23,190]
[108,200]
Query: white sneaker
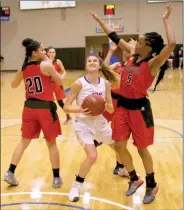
[74,193]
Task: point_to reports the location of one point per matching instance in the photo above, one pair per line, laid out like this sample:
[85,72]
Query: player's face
[51,53]
[142,46]
[39,54]
[92,64]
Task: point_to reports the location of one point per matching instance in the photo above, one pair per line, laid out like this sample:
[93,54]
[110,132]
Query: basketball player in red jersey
[134,114]
[58,90]
[39,111]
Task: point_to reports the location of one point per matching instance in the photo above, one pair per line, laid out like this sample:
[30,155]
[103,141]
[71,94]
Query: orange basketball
[94,103]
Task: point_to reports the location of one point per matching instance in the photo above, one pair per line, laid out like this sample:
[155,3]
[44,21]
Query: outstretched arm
[120,42]
[160,59]
[112,49]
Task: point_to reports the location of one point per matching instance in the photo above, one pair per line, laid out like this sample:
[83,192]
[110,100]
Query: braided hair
[30,45]
[156,42]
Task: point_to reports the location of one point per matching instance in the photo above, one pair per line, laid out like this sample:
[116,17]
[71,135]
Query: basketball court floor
[102,189]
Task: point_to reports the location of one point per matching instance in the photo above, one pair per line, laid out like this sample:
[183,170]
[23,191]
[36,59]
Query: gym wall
[68,28]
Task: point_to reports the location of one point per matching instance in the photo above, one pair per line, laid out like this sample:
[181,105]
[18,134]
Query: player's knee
[51,144]
[25,143]
[93,157]
[120,146]
[142,152]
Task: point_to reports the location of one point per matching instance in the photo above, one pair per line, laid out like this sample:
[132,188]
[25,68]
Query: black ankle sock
[150,181]
[133,176]
[97,144]
[68,116]
[12,168]
[55,172]
[61,103]
[79,179]
[119,165]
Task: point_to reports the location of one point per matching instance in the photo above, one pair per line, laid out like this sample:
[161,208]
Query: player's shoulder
[58,61]
[77,85]
[103,80]
[46,67]
[81,79]
[46,63]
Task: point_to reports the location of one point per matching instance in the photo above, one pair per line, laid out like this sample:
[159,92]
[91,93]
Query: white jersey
[88,89]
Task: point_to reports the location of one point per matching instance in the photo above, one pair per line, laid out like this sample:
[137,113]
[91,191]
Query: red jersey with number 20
[37,85]
[135,80]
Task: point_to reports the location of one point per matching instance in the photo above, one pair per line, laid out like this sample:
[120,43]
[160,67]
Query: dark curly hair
[156,42]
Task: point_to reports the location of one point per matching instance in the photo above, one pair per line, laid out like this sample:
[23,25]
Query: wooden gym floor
[107,190]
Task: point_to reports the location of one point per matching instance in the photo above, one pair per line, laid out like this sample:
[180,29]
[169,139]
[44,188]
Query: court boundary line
[66,194]
[43,203]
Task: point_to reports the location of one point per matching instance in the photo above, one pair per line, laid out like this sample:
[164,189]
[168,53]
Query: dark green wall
[72,58]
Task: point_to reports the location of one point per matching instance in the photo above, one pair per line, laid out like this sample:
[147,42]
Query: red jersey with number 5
[135,80]
[37,85]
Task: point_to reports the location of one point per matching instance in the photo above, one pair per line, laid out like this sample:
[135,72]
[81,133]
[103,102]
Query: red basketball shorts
[58,91]
[126,122]
[35,120]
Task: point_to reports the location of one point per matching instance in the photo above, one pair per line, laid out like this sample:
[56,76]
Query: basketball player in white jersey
[87,127]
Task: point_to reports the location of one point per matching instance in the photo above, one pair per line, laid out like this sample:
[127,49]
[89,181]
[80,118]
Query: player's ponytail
[25,63]
[30,45]
[109,75]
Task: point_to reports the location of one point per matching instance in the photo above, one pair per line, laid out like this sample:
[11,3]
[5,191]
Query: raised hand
[95,16]
[168,11]
[47,59]
[132,42]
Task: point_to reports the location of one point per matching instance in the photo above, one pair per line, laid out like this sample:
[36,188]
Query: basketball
[94,103]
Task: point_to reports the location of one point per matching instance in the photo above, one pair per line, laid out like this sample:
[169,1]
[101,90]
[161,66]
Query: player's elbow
[14,85]
[172,44]
[59,81]
[111,110]
[66,108]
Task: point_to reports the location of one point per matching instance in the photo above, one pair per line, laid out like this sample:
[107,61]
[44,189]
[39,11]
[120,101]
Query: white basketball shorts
[89,129]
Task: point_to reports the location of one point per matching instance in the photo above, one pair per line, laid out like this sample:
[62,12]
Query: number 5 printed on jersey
[129,78]
[34,85]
